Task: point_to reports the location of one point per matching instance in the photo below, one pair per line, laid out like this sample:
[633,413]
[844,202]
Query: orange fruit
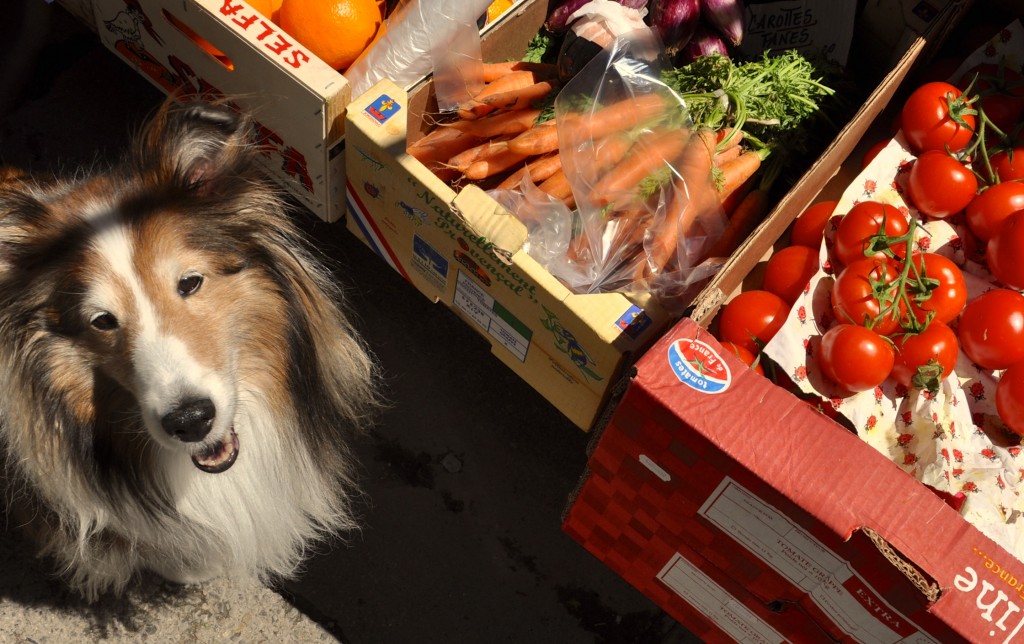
[336,31]
[265,7]
[496,8]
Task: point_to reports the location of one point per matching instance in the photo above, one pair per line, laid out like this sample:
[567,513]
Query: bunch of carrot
[501,134]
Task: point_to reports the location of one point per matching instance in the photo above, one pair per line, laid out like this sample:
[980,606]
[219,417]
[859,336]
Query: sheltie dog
[180,380]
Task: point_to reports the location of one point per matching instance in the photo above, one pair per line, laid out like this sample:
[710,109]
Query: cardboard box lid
[842,482]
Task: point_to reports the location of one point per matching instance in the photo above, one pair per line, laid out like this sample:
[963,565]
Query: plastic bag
[646,208]
[422,37]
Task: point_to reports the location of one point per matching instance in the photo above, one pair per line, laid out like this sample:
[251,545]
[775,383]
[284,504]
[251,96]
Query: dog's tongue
[218,458]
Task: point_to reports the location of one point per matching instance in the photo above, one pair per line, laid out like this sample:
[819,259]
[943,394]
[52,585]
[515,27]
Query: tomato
[855,358]
[947,298]
[860,290]
[1005,251]
[745,355]
[932,118]
[1001,93]
[924,359]
[860,224]
[752,318]
[992,206]
[809,228]
[1010,397]
[939,185]
[1008,165]
[787,272]
[991,329]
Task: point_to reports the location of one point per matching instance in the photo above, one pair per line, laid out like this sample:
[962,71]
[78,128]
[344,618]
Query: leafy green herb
[541,48]
[768,99]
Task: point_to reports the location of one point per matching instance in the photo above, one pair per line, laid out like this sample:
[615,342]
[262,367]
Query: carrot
[727,137]
[730,203]
[493,164]
[485,150]
[728,154]
[748,214]
[737,171]
[540,139]
[475,107]
[540,169]
[618,117]
[558,186]
[497,123]
[693,196]
[437,147]
[647,156]
[494,71]
[610,150]
[518,98]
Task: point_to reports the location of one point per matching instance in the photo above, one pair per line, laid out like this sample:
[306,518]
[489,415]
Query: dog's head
[173,290]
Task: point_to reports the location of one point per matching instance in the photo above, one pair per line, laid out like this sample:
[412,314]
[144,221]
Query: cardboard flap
[491,221]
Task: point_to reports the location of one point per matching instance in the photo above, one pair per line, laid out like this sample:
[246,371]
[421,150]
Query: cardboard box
[218,48]
[722,478]
[912,31]
[225,48]
[463,249]
[743,512]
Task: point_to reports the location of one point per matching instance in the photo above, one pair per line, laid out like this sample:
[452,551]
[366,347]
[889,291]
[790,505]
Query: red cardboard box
[748,515]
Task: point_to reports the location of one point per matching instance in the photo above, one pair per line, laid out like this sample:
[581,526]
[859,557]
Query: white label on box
[494,318]
[716,603]
[830,581]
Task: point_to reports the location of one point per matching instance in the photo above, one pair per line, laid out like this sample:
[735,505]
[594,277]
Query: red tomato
[1001,93]
[991,329]
[992,206]
[787,272]
[872,152]
[1010,397]
[752,318]
[947,298]
[933,118]
[1005,251]
[855,358]
[865,220]
[809,228]
[1008,165]
[746,356]
[860,292]
[939,185]
[924,359]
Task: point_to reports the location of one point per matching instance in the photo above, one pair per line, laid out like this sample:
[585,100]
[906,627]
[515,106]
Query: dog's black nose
[190,421]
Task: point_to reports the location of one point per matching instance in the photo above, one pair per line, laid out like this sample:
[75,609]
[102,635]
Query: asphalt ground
[466,474]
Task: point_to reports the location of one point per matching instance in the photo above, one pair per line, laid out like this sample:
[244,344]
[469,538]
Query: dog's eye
[189,284]
[103,321]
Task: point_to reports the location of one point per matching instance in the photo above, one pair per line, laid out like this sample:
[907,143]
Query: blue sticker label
[634,321]
[698,365]
[383,108]
[431,257]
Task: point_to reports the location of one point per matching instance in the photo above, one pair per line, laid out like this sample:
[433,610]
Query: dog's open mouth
[218,457]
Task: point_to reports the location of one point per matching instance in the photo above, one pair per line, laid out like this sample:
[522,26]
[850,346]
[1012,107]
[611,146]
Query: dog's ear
[194,143]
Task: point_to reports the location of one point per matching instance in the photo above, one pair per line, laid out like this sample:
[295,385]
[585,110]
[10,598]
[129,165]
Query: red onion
[704,43]
[675,21]
[726,16]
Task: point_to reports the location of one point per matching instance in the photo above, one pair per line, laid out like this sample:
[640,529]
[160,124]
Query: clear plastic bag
[424,37]
[646,208]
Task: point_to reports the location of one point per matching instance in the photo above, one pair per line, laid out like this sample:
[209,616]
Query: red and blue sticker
[699,366]
[382,108]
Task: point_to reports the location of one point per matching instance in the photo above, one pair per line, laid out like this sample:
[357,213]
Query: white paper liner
[953,440]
